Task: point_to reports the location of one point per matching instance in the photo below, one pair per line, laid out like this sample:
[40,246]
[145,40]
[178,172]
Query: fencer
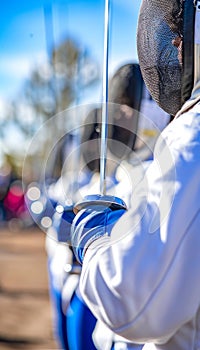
[140,268]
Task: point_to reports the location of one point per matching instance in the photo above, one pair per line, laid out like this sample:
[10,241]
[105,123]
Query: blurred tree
[51,88]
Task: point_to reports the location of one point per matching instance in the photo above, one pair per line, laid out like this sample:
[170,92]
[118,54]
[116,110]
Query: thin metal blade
[104,121]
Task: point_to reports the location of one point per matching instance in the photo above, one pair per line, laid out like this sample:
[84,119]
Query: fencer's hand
[90,224]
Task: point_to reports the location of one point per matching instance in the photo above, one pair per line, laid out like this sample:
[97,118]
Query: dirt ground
[26,319]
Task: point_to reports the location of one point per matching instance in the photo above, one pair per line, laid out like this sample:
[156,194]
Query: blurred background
[51,60]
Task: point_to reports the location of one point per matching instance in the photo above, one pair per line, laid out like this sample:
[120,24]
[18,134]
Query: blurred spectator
[5,178]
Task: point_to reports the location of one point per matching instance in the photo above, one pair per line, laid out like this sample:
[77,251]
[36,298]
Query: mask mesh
[159,24]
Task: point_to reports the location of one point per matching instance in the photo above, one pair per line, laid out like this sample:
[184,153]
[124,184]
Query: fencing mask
[165,42]
[125,95]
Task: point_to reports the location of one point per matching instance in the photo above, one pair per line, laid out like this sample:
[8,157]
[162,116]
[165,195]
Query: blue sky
[23,41]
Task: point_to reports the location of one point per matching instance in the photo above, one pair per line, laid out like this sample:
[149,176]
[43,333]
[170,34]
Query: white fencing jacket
[144,281]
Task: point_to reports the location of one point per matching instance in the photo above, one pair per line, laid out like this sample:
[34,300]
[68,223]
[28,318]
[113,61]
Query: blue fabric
[59,318]
[63,222]
[90,224]
[80,325]
[72,331]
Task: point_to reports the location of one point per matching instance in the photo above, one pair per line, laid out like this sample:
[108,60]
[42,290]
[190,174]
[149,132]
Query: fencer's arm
[143,282]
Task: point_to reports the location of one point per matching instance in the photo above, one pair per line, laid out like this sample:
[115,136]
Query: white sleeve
[138,282]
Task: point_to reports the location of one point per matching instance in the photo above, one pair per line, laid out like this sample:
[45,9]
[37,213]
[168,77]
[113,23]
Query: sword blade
[104,121]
